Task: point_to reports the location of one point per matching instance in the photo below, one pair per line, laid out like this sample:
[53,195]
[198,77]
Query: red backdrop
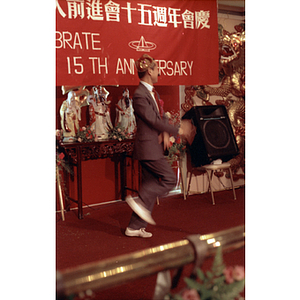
[97,42]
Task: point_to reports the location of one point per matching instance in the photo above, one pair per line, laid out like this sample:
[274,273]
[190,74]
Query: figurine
[124,114]
[70,113]
[92,114]
[102,112]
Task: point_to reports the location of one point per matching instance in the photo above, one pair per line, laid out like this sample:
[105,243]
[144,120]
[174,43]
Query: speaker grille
[216,134]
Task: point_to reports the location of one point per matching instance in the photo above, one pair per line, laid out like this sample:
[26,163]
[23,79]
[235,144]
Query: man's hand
[187,130]
[165,138]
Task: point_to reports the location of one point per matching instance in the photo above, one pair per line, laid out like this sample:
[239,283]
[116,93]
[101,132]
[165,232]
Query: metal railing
[125,268]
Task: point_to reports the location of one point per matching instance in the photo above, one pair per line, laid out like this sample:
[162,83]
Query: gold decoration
[236,113]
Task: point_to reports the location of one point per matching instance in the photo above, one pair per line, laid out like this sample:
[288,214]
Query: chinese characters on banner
[97,41]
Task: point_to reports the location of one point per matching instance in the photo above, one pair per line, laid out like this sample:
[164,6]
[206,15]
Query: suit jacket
[149,125]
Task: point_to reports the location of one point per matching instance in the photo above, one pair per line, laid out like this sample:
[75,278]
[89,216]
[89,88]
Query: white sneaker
[138,207]
[139,233]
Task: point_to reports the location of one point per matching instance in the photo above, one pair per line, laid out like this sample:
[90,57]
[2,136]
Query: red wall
[99,183]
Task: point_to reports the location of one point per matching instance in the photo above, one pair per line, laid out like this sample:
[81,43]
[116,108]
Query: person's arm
[187,130]
[145,110]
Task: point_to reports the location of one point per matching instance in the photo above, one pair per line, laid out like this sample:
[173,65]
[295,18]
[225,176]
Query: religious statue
[102,113]
[124,114]
[92,107]
[70,113]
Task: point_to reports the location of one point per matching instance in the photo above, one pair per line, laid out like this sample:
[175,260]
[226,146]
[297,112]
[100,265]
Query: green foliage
[214,284]
[176,151]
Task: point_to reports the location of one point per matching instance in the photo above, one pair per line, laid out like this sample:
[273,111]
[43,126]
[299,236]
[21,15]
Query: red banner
[97,41]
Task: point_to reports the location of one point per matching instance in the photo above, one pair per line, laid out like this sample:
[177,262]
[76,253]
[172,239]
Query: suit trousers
[158,178]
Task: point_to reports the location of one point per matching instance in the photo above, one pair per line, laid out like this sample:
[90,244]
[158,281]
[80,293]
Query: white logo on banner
[142,45]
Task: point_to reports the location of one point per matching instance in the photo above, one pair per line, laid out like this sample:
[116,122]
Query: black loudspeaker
[214,138]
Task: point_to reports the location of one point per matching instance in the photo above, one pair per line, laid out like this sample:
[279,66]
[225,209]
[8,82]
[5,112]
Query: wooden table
[78,152]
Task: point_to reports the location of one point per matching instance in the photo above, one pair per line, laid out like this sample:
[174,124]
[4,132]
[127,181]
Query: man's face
[154,73]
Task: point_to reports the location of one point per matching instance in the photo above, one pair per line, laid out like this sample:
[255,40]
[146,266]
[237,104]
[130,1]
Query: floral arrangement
[85,135]
[221,283]
[60,162]
[119,133]
[177,147]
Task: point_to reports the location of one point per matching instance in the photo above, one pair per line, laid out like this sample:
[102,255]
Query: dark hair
[142,74]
